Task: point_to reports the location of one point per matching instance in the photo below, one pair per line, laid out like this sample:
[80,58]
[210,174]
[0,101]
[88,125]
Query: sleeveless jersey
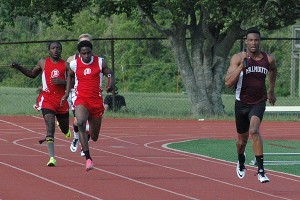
[251,86]
[88,77]
[54,70]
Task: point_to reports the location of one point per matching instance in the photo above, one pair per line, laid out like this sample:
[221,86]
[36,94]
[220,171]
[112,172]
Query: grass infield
[226,150]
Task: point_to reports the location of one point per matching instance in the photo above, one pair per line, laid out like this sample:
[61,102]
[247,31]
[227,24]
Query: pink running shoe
[89,165]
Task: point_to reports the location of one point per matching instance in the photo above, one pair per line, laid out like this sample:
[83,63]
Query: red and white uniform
[52,93]
[88,90]
[72,95]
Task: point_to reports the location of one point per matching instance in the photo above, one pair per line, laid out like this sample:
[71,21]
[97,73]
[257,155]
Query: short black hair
[84,43]
[252,31]
[51,42]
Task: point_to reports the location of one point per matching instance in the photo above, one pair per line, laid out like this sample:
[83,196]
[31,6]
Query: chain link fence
[146,92]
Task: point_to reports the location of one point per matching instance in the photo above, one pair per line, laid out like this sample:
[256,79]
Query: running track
[130,163]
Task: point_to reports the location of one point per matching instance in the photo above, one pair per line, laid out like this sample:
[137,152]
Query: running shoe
[89,165]
[262,177]
[57,124]
[68,135]
[74,145]
[52,162]
[240,170]
[82,153]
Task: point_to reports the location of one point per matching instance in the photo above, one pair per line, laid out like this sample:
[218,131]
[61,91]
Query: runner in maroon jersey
[87,71]
[247,72]
[53,71]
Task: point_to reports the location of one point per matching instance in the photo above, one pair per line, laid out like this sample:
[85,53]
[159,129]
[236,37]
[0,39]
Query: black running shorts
[244,112]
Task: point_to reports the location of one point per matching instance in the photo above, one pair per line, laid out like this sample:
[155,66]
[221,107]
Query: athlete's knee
[81,123]
[94,137]
[253,131]
[241,144]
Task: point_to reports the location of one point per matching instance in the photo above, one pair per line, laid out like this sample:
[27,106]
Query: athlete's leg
[95,126]
[82,115]
[256,137]
[63,120]
[256,116]
[257,142]
[242,127]
[75,143]
[242,142]
[49,118]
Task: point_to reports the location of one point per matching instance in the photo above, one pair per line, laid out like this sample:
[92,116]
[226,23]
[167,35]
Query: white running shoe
[262,177]
[240,171]
[81,153]
[74,145]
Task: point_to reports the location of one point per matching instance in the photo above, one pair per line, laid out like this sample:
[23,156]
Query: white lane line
[109,172]
[110,137]
[211,159]
[48,180]
[95,168]
[167,167]
[194,174]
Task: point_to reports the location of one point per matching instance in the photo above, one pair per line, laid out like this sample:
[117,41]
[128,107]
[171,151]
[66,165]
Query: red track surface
[130,163]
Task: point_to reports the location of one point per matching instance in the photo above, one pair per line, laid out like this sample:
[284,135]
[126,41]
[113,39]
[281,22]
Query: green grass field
[19,101]
[226,150]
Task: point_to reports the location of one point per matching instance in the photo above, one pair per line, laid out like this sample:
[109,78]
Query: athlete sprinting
[87,71]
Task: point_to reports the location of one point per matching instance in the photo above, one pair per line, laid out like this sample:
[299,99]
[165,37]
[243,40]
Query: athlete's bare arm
[110,77]
[235,68]
[30,73]
[70,77]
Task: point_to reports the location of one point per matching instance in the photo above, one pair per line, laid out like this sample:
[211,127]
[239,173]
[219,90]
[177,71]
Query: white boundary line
[167,167]
[215,160]
[49,180]
[95,168]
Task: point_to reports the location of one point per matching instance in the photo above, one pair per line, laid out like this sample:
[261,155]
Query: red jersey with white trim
[54,70]
[251,86]
[88,77]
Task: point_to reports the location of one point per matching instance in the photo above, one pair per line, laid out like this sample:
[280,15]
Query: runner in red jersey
[87,71]
[247,72]
[54,72]
[72,96]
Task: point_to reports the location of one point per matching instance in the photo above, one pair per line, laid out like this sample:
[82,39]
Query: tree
[201,32]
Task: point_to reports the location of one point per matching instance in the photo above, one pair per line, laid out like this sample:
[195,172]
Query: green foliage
[148,66]
[213,25]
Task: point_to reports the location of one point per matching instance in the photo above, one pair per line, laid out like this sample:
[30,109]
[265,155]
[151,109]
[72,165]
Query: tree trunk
[202,72]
